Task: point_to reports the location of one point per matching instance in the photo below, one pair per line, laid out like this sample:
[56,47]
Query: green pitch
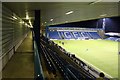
[100,54]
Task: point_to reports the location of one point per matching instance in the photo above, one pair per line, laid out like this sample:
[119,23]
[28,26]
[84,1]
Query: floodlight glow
[103,23]
[103,19]
[70,12]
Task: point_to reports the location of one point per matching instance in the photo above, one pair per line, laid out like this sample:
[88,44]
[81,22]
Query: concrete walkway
[21,64]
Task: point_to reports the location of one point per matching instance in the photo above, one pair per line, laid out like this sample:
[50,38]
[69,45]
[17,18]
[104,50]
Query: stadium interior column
[119,44]
[37,28]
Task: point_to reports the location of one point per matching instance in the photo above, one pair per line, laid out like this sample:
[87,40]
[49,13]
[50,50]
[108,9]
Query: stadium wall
[13,33]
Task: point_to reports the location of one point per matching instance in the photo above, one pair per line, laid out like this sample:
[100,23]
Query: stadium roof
[60,0]
[54,12]
[113,34]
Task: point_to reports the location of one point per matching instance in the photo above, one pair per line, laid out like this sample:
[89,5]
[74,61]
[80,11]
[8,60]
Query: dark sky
[111,24]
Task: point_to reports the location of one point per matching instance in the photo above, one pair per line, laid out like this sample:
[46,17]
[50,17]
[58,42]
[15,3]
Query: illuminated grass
[101,54]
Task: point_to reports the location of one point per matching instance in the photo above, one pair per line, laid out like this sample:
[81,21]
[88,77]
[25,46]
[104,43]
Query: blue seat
[54,35]
[66,35]
[76,35]
[95,35]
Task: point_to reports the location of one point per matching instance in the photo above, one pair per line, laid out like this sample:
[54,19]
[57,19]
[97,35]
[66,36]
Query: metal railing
[38,72]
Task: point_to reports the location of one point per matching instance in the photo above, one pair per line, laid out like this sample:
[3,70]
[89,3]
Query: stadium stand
[66,35]
[94,35]
[113,39]
[73,35]
[56,62]
[76,35]
[54,35]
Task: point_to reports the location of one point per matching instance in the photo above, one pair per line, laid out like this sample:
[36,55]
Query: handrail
[38,67]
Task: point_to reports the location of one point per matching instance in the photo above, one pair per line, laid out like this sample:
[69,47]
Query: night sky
[111,24]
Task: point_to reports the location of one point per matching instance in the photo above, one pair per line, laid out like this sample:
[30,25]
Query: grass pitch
[100,54]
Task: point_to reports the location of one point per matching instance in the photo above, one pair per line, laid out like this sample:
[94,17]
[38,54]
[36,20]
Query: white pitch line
[95,67]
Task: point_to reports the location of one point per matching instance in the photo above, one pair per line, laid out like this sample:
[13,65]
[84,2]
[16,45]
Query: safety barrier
[38,72]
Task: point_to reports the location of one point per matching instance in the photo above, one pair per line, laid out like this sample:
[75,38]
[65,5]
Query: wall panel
[13,33]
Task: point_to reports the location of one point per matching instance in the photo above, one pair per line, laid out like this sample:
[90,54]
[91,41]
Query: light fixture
[38,75]
[27,17]
[29,21]
[14,17]
[70,12]
[30,24]
[51,19]
[20,22]
[96,1]
[103,15]
[66,21]
[26,24]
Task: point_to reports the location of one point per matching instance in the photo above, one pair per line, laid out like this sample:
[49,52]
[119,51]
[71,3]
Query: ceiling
[59,0]
[57,10]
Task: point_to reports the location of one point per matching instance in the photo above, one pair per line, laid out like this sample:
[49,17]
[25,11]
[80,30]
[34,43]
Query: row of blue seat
[73,35]
[57,61]
[113,39]
[48,62]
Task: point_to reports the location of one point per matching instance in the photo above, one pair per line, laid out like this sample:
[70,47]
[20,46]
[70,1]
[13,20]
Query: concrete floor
[21,64]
